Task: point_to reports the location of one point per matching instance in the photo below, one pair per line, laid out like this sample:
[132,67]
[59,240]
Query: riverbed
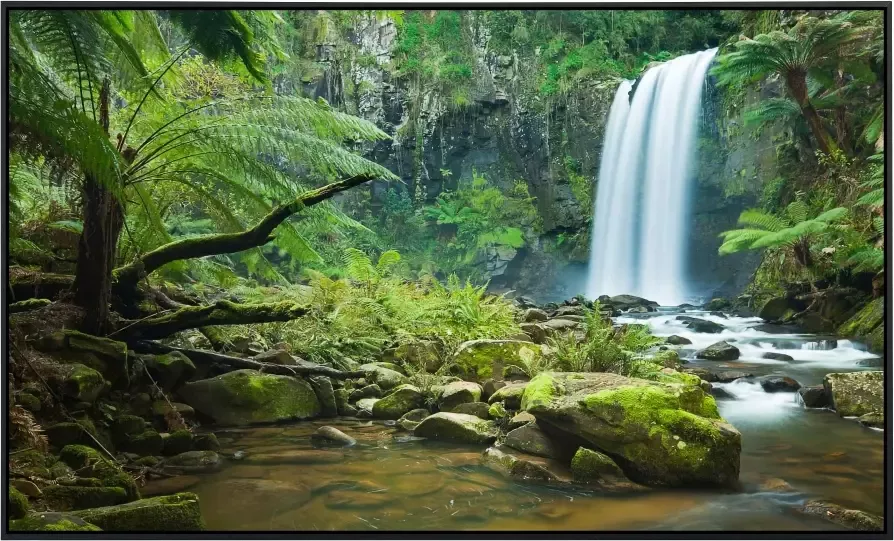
[392,481]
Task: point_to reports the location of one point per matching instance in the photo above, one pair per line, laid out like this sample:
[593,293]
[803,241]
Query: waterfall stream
[640,231]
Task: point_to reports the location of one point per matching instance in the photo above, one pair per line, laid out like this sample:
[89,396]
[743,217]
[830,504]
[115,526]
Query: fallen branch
[29,285]
[219,313]
[217,339]
[227,243]
[198,356]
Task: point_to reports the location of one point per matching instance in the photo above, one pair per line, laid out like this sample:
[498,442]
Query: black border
[885,6]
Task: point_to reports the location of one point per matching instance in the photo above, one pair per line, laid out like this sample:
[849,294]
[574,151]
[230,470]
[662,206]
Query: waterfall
[640,221]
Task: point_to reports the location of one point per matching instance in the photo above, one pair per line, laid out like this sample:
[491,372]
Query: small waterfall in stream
[639,237]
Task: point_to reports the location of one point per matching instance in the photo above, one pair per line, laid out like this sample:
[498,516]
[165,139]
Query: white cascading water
[639,238]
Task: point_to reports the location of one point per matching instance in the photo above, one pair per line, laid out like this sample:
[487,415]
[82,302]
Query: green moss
[497,411]
[125,426]
[401,400]
[475,359]
[88,461]
[146,461]
[206,442]
[68,498]
[177,442]
[540,391]
[456,427]
[51,522]
[149,442]
[83,383]
[103,347]
[33,463]
[588,465]
[867,324]
[177,512]
[26,305]
[17,503]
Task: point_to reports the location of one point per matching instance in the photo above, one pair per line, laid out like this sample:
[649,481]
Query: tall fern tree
[811,44]
[794,230]
[63,65]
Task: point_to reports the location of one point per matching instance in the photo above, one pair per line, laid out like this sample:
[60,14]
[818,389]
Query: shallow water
[388,483]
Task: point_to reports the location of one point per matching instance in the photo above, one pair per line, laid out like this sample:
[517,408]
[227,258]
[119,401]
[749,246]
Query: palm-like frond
[762,220]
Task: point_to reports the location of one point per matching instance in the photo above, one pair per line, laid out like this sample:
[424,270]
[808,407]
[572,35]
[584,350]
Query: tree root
[198,356]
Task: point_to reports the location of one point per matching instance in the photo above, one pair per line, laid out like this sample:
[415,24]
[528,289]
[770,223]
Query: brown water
[388,483]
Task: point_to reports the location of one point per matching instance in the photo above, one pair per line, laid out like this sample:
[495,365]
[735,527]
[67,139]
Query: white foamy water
[640,229]
[752,404]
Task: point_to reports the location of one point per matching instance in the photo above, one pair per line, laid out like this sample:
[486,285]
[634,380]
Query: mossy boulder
[322,386]
[456,427]
[424,353]
[162,409]
[106,356]
[676,340]
[88,462]
[170,369]
[867,325]
[70,432]
[856,393]
[248,396]
[700,325]
[69,498]
[478,409]
[398,402]
[206,442]
[719,351]
[33,463]
[52,522]
[459,392]
[82,383]
[667,358]
[16,503]
[497,412]
[478,360]
[658,433]
[591,467]
[179,441]
[384,377]
[411,419]
[530,439]
[519,419]
[147,443]
[510,395]
[125,426]
[177,512]
[780,309]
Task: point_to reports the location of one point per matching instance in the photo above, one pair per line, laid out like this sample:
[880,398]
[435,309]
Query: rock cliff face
[510,132]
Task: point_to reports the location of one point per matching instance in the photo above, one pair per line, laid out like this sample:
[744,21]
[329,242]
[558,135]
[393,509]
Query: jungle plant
[794,230]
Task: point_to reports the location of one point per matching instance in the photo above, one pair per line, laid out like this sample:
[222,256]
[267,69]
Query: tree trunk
[97,246]
[796,81]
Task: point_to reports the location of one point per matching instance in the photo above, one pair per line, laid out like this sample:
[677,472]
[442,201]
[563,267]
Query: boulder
[170,369]
[248,396]
[148,443]
[658,433]
[625,302]
[89,463]
[82,383]
[720,351]
[193,462]
[161,409]
[384,377]
[367,391]
[16,503]
[497,412]
[780,309]
[459,392]
[520,419]
[177,512]
[856,393]
[523,468]
[26,487]
[478,409]
[591,467]
[510,395]
[849,518]
[179,441]
[329,436]
[366,405]
[731,375]
[867,325]
[814,396]
[778,384]
[777,356]
[535,332]
[456,427]
[533,315]
[574,311]
[490,387]
[702,373]
[560,325]
[341,400]
[70,498]
[514,373]
[322,387]
[872,420]
[478,360]
[718,304]
[421,353]
[276,356]
[398,402]
[411,419]
[676,340]
[206,442]
[701,325]
[530,439]
[51,522]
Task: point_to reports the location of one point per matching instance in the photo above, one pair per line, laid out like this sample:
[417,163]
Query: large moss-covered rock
[106,356]
[456,427]
[16,503]
[170,369]
[51,522]
[88,462]
[401,400]
[659,433]
[178,512]
[82,383]
[591,467]
[459,392]
[868,325]
[720,351]
[510,395]
[248,396]
[68,498]
[322,386]
[179,441]
[147,443]
[384,377]
[856,393]
[478,360]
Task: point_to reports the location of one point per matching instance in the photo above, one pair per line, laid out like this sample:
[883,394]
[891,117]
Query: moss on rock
[510,395]
[51,522]
[589,466]
[177,512]
[401,400]
[88,462]
[856,393]
[497,411]
[17,503]
[539,391]
[83,383]
[867,324]
[69,498]
[477,360]
[456,427]
[248,396]
[179,441]
[459,392]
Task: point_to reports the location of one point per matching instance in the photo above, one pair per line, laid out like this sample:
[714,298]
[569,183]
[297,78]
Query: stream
[391,481]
